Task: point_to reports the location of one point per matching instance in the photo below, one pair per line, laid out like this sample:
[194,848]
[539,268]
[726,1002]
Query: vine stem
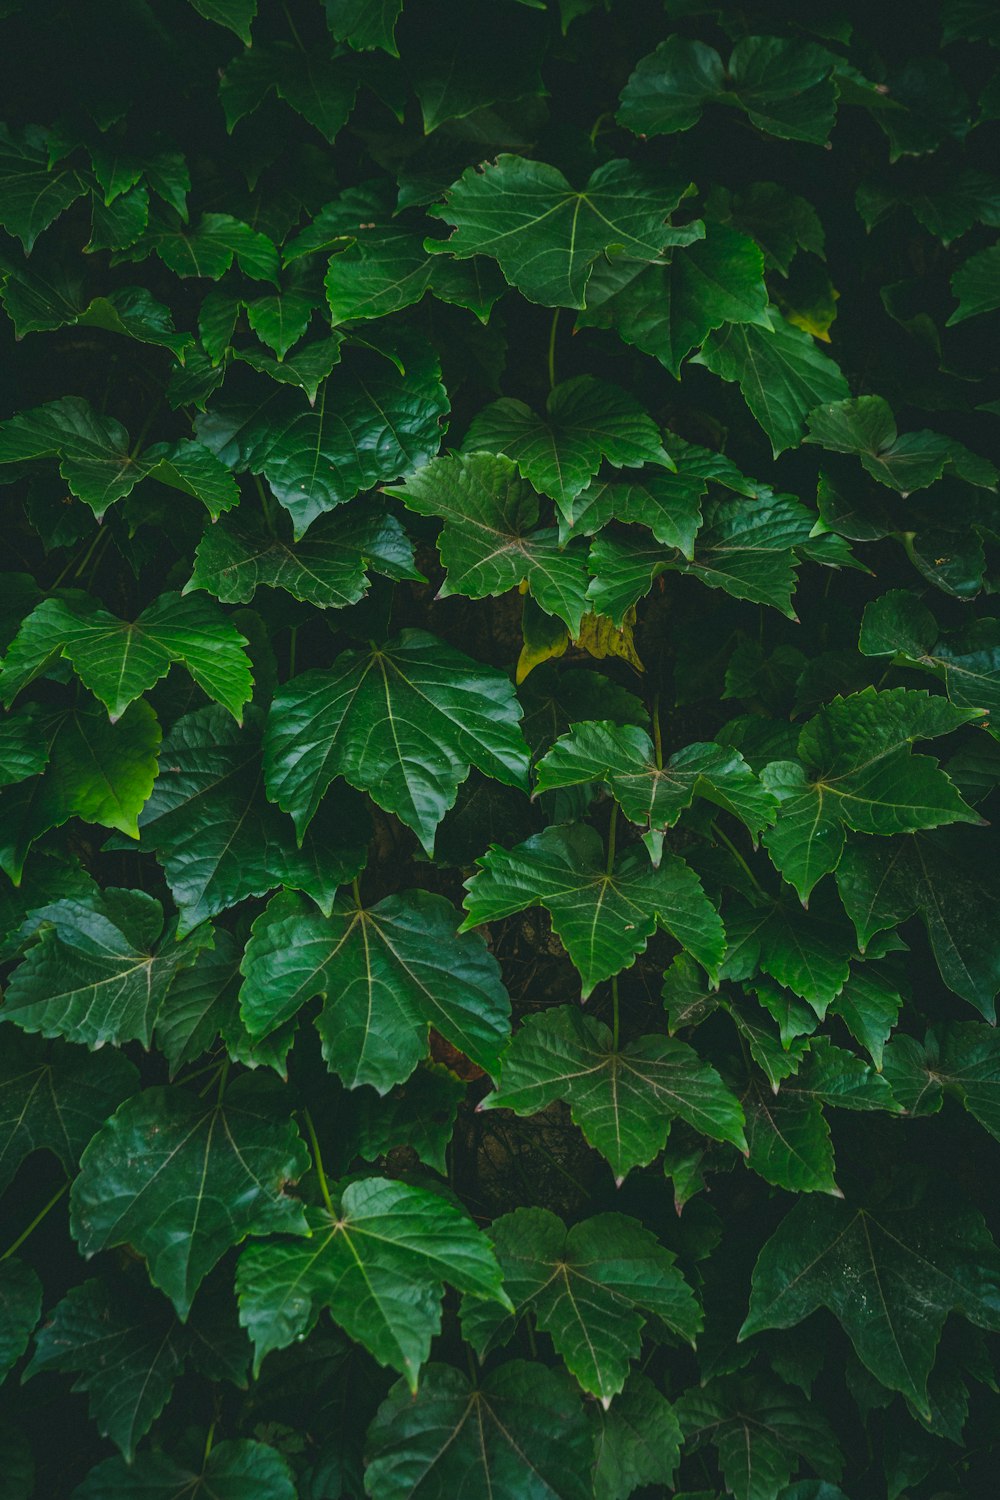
[552,348]
[223,1079]
[317,1156]
[12,1249]
[208,1445]
[612,835]
[725,839]
[265,504]
[614,1013]
[657,735]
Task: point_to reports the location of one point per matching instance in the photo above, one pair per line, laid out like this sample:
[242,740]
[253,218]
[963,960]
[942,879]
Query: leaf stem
[317,1156]
[657,735]
[293,633]
[265,504]
[356,892]
[612,836]
[724,838]
[208,1445]
[614,1013]
[552,348]
[223,1080]
[143,431]
[12,1249]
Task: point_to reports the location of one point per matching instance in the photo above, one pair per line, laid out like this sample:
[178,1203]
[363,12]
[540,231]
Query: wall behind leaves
[499,905]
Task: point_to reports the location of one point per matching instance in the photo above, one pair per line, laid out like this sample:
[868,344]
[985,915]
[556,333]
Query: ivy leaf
[856,770]
[590,1289]
[386,973]
[328,568]
[305,369]
[669,504]
[182,1179]
[36,301]
[940,876]
[650,795]
[459,60]
[891,1280]
[22,752]
[448,713]
[386,268]
[976,284]
[32,193]
[488,543]
[365,24]
[53,1097]
[546,235]
[586,420]
[235,1467]
[95,973]
[370,424]
[622,1098]
[320,88]
[419,1114]
[235,15]
[668,309]
[220,841]
[789,1140]
[119,660]
[967,661]
[960,1058]
[761,1430]
[126,1350]
[782,374]
[95,770]
[784,86]
[97,461]
[866,426]
[20,1309]
[637,1441]
[495,1438]
[604,918]
[808,954]
[279,321]
[377,1261]
[208,248]
[869,1006]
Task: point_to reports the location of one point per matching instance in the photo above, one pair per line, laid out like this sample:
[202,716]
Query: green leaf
[96,973]
[869,1006]
[856,771]
[669,504]
[784,86]
[235,15]
[20,1309]
[97,462]
[32,193]
[279,321]
[126,1349]
[807,953]
[621,1097]
[586,420]
[637,1441]
[496,1438]
[182,1179]
[781,372]
[604,919]
[370,424]
[447,713]
[207,249]
[38,300]
[789,1140]
[328,568]
[97,771]
[378,1263]
[22,752]
[976,284]
[590,1289]
[866,426]
[419,1114]
[234,1469]
[650,795]
[667,310]
[219,840]
[891,1280]
[385,268]
[940,876]
[488,543]
[53,1097]
[306,369]
[386,974]
[761,1430]
[320,88]
[546,235]
[960,1058]
[365,24]
[459,59]
[967,661]
[119,660]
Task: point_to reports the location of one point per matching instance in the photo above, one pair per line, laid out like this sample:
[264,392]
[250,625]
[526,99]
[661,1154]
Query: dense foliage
[499,909]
